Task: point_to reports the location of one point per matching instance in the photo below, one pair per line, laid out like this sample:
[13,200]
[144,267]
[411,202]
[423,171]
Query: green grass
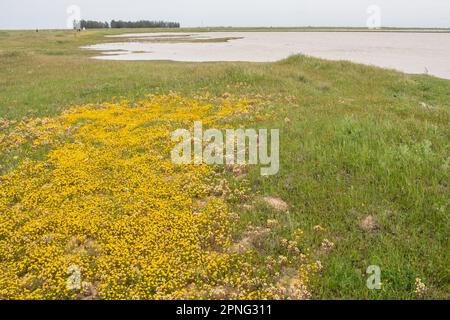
[357,144]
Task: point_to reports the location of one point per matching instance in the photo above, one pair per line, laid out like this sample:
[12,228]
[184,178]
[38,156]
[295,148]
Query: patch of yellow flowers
[108,201]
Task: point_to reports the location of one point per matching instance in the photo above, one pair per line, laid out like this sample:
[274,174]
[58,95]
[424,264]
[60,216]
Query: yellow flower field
[108,203]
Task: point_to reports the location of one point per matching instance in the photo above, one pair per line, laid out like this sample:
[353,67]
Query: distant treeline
[144,24]
[89,24]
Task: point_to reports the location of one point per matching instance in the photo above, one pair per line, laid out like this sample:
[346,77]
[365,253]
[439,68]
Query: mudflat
[409,52]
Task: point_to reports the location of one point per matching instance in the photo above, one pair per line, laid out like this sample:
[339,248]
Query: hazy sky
[29,14]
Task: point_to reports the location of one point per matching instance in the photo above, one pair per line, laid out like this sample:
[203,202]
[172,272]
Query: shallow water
[408,52]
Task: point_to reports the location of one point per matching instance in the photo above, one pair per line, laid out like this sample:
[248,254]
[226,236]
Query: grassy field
[365,152]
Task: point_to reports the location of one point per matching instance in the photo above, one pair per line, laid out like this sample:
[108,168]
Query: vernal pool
[404,51]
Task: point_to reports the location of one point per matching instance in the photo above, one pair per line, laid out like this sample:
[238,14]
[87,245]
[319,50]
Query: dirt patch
[276,203]
[369,224]
[253,238]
